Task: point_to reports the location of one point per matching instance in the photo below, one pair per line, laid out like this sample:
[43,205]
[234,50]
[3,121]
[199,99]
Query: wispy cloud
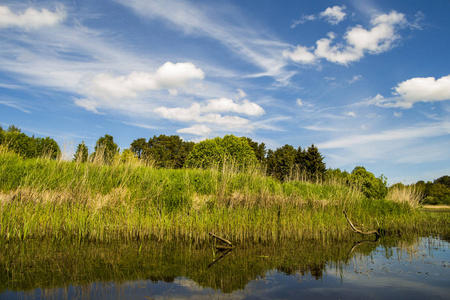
[333,15]
[221,25]
[410,133]
[15,105]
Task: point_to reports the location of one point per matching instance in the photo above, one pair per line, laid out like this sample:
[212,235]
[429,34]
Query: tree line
[172,151]
[432,192]
[29,147]
[285,163]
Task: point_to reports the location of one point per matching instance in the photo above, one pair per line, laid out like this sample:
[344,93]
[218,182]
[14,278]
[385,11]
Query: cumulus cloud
[201,130]
[211,113]
[225,105]
[334,15]
[301,55]
[378,39]
[168,76]
[30,18]
[358,40]
[419,89]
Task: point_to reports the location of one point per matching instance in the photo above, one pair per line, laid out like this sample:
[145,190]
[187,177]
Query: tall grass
[127,200]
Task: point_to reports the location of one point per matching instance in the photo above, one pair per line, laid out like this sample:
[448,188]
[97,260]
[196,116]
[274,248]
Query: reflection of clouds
[407,269]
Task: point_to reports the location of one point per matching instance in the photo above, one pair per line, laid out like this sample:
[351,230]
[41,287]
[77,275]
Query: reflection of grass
[48,264]
[128,201]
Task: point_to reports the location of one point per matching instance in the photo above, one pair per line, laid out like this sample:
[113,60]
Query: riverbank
[442,208]
[63,200]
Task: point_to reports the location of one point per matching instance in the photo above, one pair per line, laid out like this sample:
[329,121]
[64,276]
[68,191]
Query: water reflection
[406,267]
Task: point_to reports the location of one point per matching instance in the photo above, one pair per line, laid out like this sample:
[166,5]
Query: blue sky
[368,82]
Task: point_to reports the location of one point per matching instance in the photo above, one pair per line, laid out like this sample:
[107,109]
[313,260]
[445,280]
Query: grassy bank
[128,201]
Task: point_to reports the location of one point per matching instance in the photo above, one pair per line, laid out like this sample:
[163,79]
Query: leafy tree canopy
[219,150]
[106,149]
[28,147]
[82,153]
[371,186]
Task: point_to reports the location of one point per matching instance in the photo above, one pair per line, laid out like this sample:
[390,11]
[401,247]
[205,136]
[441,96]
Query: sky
[367,82]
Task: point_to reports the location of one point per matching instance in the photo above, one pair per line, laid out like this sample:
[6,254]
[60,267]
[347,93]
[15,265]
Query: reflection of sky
[420,271]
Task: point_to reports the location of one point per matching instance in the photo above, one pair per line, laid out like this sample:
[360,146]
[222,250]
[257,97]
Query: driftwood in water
[359,230]
[230,245]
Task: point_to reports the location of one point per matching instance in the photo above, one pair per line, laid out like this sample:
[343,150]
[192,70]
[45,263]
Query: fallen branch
[222,240]
[358,230]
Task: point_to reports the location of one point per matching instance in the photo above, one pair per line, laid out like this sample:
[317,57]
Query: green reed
[129,201]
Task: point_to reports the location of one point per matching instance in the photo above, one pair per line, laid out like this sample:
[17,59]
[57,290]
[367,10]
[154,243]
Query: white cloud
[201,130]
[350,114]
[299,102]
[398,114]
[419,89]
[224,25]
[411,133]
[210,113]
[168,76]
[301,55]
[337,53]
[241,94]
[378,39]
[87,104]
[334,15]
[355,79]
[31,18]
[227,105]
[302,20]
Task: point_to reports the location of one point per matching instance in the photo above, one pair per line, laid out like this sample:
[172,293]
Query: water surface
[387,268]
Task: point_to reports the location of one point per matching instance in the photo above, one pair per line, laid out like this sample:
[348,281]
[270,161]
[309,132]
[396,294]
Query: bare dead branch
[358,230]
[222,240]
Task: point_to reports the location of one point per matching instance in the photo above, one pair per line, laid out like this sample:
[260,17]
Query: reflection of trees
[31,264]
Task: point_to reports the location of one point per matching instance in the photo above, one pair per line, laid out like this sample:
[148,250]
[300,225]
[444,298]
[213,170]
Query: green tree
[13,128]
[282,162]
[20,143]
[47,147]
[139,147]
[82,153]
[219,150]
[371,186]
[444,180]
[313,163]
[105,149]
[167,151]
[259,149]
